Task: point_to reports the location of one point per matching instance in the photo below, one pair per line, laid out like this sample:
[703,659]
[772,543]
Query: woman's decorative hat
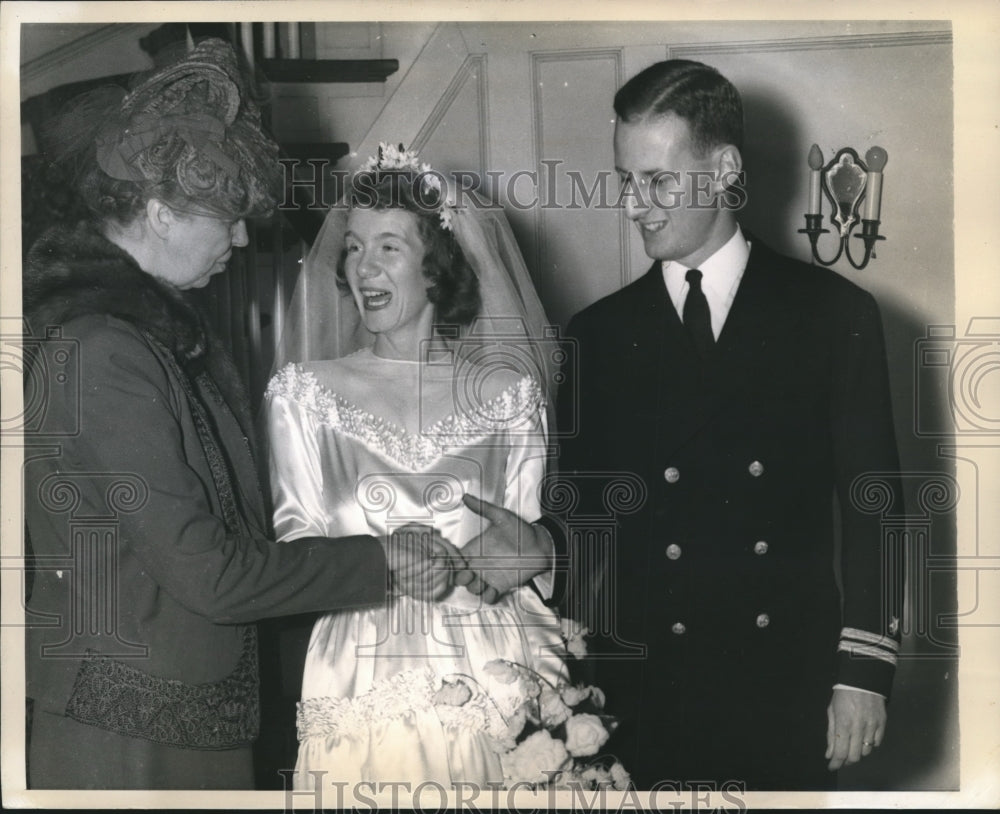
[191,122]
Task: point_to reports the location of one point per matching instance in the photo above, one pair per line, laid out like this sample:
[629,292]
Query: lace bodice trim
[512,409]
[406,692]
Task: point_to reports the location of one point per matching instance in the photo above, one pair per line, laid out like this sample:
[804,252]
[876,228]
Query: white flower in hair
[391,158]
[429,178]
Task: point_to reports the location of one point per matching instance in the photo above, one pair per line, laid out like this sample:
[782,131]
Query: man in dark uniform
[746,390]
[743,397]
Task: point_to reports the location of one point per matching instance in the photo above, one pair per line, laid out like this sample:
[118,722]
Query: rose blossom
[620,777]
[502,671]
[596,777]
[573,696]
[453,693]
[552,708]
[585,734]
[537,754]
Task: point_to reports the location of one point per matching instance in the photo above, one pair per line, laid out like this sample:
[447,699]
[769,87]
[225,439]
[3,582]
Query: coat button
[672,474]
[763,620]
[760,547]
[679,628]
[756,469]
[673,551]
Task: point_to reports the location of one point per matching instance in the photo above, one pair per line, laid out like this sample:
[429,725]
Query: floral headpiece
[395,159]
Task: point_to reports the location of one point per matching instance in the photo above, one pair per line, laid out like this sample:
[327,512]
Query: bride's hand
[421,562]
[506,555]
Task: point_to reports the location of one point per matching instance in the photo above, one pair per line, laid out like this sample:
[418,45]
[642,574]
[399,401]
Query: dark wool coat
[148,527]
[716,585]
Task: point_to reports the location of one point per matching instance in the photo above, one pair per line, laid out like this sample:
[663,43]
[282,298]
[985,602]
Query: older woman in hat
[152,545]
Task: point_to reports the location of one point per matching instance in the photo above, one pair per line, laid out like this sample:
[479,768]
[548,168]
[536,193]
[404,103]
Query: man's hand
[855,725]
[421,562]
[506,555]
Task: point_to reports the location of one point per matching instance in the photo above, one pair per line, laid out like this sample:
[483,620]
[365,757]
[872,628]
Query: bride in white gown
[394,430]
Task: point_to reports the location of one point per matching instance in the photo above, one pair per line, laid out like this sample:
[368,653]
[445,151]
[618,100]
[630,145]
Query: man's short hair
[695,92]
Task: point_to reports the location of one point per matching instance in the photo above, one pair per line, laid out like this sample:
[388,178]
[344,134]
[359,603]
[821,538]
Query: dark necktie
[697,318]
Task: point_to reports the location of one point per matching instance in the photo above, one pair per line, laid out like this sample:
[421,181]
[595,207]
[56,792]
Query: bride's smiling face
[384,269]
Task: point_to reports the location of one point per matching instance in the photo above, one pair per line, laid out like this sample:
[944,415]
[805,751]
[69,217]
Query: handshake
[506,555]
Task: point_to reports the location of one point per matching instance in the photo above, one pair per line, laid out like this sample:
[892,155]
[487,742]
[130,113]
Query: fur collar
[74,271]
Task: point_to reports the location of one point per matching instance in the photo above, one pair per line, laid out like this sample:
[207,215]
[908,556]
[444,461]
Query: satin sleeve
[526,466]
[295,469]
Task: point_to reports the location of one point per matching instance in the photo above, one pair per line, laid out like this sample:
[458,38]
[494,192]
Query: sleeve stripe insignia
[853,635]
[867,650]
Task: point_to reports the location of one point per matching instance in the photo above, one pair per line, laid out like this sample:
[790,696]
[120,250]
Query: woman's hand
[421,562]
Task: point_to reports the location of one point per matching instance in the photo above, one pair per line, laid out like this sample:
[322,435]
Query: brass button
[672,474]
[679,628]
[760,547]
[756,469]
[673,551]
[763,620]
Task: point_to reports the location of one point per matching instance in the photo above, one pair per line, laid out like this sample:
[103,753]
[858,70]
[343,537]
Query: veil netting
[510,332]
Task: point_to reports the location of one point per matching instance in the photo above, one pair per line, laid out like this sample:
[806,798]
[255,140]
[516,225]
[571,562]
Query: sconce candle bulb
[815,165]
[876,158]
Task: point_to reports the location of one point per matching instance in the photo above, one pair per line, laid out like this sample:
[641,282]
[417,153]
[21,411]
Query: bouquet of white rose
[554,736]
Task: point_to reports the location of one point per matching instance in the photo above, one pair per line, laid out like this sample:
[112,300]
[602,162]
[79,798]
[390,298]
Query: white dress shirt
[720,278]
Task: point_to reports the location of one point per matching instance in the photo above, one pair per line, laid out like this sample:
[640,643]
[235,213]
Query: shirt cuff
[856,689]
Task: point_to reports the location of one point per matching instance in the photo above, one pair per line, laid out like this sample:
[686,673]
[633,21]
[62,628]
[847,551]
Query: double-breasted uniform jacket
[149,534]
[722,569]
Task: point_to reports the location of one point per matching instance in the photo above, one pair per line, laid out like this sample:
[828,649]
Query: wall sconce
[846,180]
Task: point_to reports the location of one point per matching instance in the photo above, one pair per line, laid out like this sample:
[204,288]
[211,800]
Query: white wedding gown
[362,445]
